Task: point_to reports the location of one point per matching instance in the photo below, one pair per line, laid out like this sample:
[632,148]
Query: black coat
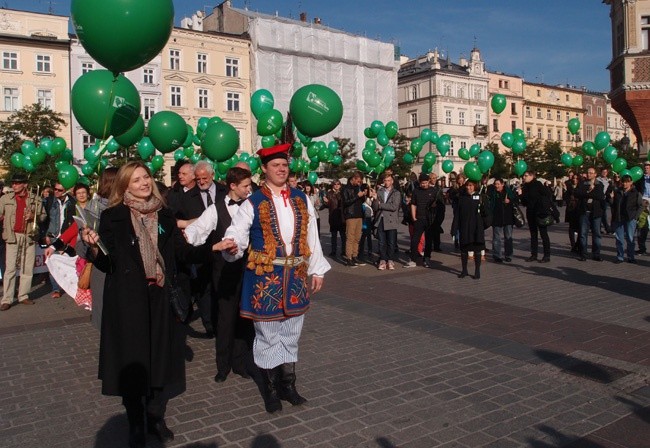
[470,222]
[596,196]
[352,202]
[502,213]
[139,349]
[537,198]
[633,205]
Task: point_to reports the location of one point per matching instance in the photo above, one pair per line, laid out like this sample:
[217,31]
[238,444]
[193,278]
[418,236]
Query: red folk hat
[274,152]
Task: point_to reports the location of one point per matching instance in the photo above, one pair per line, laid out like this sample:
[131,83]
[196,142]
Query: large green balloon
[567,159]
[425,135]
[68,176]
[463,153]
[27,147]
[105,105]
[578,160]
[133,135]
[474,150]
[485,161]
[221,142]
[447,166]
[443,144]
[429,159]
[518,146]
[602,140]
[17,159]
[520,167]
[269,122]
[316,110]
[416,146]
[619,164]
[507,139]
[498,103]
[573,125]
[589,149]
[472,171]
[167,131]
[123,35]
[636,173]
[518,133]
[261,101]
[610,154]
[391,129]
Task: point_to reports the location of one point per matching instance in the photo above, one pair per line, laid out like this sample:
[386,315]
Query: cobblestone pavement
[530,355]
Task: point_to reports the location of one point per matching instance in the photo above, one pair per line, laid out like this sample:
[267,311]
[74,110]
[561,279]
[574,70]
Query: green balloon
[28,165]
[371,145]
[485,161]
[202,124]
[269,122]
[68,176]
[472,171]
[368,133]
[425,135]
[167,131]
[589,149]
[190,137]
[507,139]
[578,160]
[146,148]
[337,160]
[312,150]
[383,139]
[518,146]
[179,155]
[90,153]
[66,155]
[324,155]
[316,110]
[619,164]
[254,163]
[374,160]
[261,102]
[123,35]
[188,152]
[416,146]
[268,141]
[443,144]
[567,159]
[157,162]
[60,163]
[88,169]
[104,105]
[426,169]
[408,158]
[518,133]
[17,160]
[636,173]
[498,104]
[520,167]
[312,177]
[362,166]
[602,140]
[38,156]
[447,166]
[377,126]
[391,129]
[573,125]
[221,142]
[132,135]
[333,147]
[313,165]
[474,150]
[27,147]
[429,159]
[610,154]
[463,153]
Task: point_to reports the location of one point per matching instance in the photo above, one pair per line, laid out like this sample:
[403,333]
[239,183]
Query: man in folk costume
[276,225]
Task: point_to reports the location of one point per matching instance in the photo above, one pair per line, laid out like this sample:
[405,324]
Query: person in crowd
[643,225]
[184,184]
[470,228]
[558,192]
[137,359]
[608,188]
[61,213]
[293,181]
[503,201]
[423,208]
[440,210]
[279,225]
[627,204]
[353,196]
[591,195]
[334,204]
[407,218]
[234,335]
[366,226]
[538,200]
[572,214]
[385,205]
[20,212]
[643,184]
[454,194]
[313,196]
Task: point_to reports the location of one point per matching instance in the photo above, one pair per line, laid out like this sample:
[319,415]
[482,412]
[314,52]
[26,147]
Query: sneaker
[56,294]
[391,266]
[351,263]
[410,264]
[382,265]
[358,262]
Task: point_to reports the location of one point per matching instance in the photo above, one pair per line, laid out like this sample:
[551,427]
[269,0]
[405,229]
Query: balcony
[480,130]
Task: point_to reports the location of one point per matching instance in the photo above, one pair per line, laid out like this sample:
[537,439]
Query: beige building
[35,52]
[618,128]
[512,87]
[207,74]
[548,109]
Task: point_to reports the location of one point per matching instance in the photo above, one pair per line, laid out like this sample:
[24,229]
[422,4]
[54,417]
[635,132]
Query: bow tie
[233,202]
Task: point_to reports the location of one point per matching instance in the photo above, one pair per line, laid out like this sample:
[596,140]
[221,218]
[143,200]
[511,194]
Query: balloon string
[111,98]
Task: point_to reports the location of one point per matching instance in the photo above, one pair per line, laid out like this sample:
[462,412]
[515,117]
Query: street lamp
[625,141]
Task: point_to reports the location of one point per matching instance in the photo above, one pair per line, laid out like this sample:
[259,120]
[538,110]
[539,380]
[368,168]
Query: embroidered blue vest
[273,292]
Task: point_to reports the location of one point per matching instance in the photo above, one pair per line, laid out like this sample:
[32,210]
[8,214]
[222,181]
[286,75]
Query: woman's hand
[89,237]
[226,245]
[49,251]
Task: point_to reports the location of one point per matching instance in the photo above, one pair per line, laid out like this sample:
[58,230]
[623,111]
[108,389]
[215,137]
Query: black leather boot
[135,415]
[477,267]
[271,377]
[287,390]
[158,427]
[464,256]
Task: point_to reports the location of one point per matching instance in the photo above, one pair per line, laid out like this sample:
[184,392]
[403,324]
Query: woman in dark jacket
[470,228]
[538,201]
[503,201]
[138,355]
[572,214]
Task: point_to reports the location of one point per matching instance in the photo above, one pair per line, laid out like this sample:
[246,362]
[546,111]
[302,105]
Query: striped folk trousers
[276,342]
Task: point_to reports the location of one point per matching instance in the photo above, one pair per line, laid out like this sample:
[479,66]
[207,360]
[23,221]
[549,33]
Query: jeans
[624,231]
[499,233]
[334,239]
[387,242]
[607,218]
[587,221]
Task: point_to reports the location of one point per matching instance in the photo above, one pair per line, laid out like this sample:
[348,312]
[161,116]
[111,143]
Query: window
[11,99]
[478,119]
[549,134]
[43,63]
[548,114]
[463,145]
[414,93]
[461,117]
[558,116]
[609,122]
[447,89]
[589,110]
[645,32]
[589,132]
[559,135]
[87,67]
[174,59]
[567,97]
[567,117]
[149,108]
[175,96]
[202,63]
[88,141]
[539,133]
[529,132]
[460,91]
[528,113]
[503,84]
[568,136]
[203,98]
[147,76]
[232,102]
[478,93]
[447,117]
[539,92]
[232,67]
[513,108]
[413,119]
[9,60]
[599,111]
[539,112]
[495,124]
[599,129]
[44,98]
[513,126]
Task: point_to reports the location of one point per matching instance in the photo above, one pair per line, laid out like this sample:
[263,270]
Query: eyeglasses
[59,189]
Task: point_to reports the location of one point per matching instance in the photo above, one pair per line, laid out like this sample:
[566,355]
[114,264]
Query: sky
[549,41]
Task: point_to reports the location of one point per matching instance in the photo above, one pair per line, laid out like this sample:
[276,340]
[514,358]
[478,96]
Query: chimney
[317,20]
[303,16]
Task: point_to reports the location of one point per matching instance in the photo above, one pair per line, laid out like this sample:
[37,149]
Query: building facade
[35,63]
[447,98]
[512,87]
[548,109]
[595,107]
[630,66]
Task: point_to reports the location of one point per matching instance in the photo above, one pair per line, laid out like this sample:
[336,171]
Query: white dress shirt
[197,233]
[239,231]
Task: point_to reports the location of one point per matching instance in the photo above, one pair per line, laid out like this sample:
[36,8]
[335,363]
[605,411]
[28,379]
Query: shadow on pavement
[560,440]
[265,441]
[640,411]
[578,367]
[383,442]
[115,432]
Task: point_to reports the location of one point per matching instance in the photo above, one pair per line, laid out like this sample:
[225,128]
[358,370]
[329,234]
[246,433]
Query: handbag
[518,217]
[544,221]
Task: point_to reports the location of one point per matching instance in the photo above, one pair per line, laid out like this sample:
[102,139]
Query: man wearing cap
[17,210]
[279,223]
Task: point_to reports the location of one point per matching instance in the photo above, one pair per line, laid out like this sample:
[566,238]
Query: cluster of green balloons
[442,144]
[378,153]
[32,155]
[515,140]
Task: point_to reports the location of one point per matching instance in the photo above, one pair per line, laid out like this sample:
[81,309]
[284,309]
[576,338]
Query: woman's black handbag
[545,221]
[180,302]
[518,217]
